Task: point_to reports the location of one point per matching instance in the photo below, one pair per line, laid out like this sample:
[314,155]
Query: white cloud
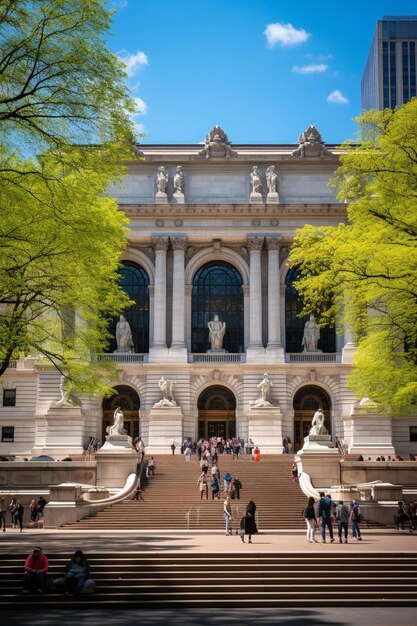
[336,97]
[312,68]
[284,34]
[121,4]
[134,62]
[141,108]
[138,128]
[318,58]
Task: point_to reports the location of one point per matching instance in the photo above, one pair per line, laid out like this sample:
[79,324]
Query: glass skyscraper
[389,79]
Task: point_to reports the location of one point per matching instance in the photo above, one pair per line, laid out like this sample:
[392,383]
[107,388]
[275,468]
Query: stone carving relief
[161,243]
[161,185]
[216,330]
[311,335]
[255,243]
[117,428]
[317,424]
[272,184]
[217,145]
[311,145]
[65,399]
[124,338]
[178,195]
[179,243]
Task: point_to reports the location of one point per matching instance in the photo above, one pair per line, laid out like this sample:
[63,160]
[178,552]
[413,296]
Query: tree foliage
[65,127]
[370,263]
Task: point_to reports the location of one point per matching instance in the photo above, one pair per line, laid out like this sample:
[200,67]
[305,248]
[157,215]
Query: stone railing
[217,357]
[124,357]
[313,357]
[12,364]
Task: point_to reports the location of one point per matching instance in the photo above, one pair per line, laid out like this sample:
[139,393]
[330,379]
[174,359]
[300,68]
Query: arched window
[306,402]
[294,325]
[135,281]
[217,289]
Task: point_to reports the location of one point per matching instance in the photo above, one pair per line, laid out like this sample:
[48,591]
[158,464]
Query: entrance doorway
[306,402]
[216,413]
[128,400]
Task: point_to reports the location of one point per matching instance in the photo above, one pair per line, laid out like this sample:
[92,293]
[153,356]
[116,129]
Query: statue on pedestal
[65,400]
[124,338]
[272,179]
[217,330]
[117,426]
[179,180]
[311,335]
[317,424]
[166,385]
[265,393]
[255,179]
[161,180]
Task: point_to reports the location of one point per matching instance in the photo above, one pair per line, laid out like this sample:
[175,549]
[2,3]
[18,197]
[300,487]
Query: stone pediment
[311,145]
[217,145]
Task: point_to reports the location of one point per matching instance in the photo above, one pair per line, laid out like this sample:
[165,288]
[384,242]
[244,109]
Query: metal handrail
[188,516]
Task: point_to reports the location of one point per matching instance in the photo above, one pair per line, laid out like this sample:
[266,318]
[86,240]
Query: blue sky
[262,69]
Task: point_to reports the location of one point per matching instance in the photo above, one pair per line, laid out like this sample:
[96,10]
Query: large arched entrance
[216,413]
[306,402]
[128,400]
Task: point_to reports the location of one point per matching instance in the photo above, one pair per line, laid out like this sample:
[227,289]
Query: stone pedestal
[322,466]
[116,459]
[60,432]
[255,198]
[371,432]
[178,197]
[348,352]
[318,443]
[272,198]
[265,428]
[165,426]
[161,198]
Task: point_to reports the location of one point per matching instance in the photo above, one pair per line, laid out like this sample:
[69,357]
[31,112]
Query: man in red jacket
[36,568]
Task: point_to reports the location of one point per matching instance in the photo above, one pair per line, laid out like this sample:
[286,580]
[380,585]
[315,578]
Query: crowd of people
[16,510]
[323,514]
[234,447]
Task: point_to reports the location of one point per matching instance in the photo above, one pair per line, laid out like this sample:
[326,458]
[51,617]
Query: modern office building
[215,311]
[389,79]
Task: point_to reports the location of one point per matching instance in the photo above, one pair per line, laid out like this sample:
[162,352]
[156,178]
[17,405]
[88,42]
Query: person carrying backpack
[342,518]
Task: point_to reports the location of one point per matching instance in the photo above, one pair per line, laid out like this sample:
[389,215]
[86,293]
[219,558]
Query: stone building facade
[211,227]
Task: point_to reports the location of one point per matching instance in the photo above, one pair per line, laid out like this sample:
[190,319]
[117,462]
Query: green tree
[369,265]
[65,127]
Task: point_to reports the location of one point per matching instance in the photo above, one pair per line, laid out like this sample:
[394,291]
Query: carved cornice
[255,243]
[161,243]
[179,243]
[272,243]
[265,212]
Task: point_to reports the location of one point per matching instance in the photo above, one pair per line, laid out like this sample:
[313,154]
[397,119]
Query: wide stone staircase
[225,580]
[172,499]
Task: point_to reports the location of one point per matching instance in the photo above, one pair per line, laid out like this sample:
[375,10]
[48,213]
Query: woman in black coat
[248,522]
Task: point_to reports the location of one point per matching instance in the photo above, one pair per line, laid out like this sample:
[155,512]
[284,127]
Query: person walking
[227,481]
[215,488]
[3,513]
[19,515]
[202,483]
[324,513]
[311,521]
[12,510]
[248,522]
[236,486]
[355,518]
[173,446]
[227,511]
[342,518]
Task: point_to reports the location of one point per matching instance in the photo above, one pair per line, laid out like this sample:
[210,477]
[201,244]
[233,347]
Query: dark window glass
[217,290]
[294,325]
[126,398]
[9,397]
[7,434]
[135,282]
[413,433]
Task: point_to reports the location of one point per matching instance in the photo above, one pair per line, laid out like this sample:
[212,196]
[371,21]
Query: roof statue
[311,145]
[217,145]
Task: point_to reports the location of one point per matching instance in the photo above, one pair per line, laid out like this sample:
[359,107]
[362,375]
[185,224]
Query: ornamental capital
[179,243]
[272,243]
[161,243]
[255,243]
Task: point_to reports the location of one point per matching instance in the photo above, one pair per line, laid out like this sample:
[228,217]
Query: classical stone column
[160,293]
[274,303]
[255,295]
[179,245]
